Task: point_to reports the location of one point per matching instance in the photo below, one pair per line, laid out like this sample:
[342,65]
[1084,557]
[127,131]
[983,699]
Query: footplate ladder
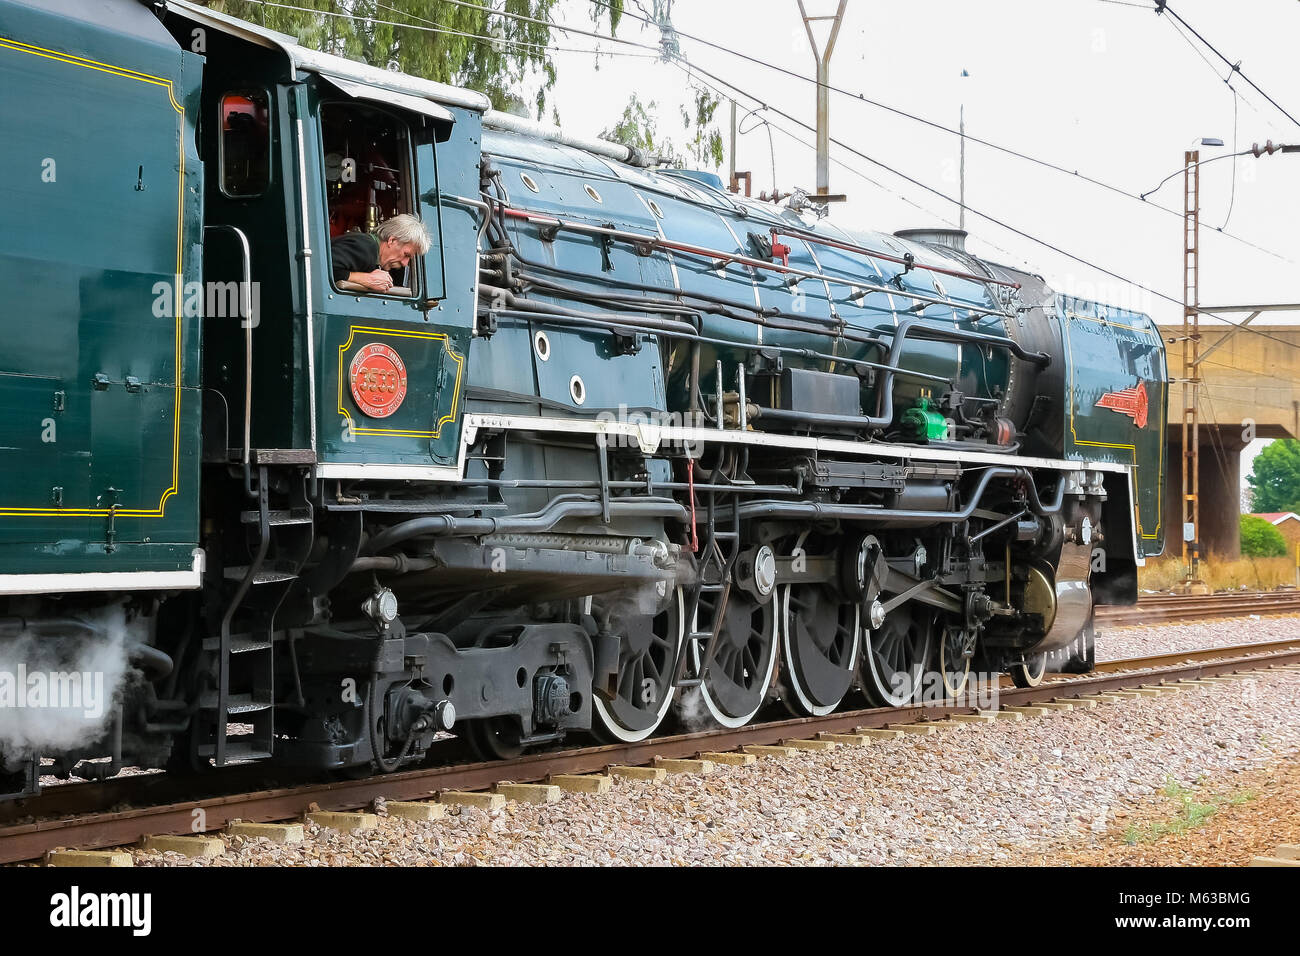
[245,691]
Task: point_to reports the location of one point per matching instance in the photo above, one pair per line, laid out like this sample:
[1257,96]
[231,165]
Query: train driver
[368,259]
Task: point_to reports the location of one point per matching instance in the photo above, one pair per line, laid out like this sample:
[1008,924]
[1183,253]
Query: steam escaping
[692,713]
[59,686]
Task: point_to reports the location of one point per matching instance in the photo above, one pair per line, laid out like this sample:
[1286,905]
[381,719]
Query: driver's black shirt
[354,252]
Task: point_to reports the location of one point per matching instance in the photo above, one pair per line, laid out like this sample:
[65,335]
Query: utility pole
[736,177]
[1191,370]
[1193,357]
[732,178]
[961,128]
[961,175]
[823,58]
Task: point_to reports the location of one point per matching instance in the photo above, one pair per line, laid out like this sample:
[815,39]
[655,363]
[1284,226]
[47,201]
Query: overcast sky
[1107,88]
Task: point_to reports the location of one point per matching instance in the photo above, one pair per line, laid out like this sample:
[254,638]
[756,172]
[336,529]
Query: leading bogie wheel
[955,652]
[1029,672]
[495,738]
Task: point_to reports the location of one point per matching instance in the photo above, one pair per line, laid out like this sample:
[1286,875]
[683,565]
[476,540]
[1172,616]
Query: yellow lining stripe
[400,333]
[6,43]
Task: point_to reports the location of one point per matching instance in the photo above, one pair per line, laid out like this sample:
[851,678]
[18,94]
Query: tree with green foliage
[487,48]
[1275,478]
[1259,539]
[639,129]
[705,145]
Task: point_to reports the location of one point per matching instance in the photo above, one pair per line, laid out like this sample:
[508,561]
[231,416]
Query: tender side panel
[99,409]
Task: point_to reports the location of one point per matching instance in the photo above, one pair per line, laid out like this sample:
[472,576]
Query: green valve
[924,423]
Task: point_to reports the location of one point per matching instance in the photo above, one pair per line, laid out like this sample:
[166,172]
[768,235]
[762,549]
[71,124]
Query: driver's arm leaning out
[368,260]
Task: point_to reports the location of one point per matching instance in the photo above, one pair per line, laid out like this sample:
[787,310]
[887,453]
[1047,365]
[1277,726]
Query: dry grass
[1160,574]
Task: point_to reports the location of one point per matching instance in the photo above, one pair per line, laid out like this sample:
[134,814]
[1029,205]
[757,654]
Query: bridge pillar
[1220,491]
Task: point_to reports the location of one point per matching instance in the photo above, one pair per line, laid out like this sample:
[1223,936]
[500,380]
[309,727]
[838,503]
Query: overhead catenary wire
[563,28]
[663,52]
[855,171]
[1173,25]
[1200,162]
[987,216]
[1055,248]
[1019,154]
[856,152]
[430,26]
[1162,7]
[938,192]
[506,41]
[1232,195]
[792,73]
[434,27]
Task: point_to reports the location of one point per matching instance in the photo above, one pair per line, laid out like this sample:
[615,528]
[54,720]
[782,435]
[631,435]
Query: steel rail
[31,840]
[1197,654]
[1169,608]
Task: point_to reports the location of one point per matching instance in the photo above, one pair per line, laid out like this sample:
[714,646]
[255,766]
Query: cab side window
[245,143]
[368,175]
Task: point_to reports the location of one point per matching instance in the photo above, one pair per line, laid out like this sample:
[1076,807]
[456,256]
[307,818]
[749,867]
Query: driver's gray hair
[404,228]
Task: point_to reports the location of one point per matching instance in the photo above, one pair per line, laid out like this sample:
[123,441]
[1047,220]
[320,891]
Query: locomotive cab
[303,157]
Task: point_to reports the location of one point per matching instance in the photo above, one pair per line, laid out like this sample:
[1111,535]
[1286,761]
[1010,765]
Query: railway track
[1166,608]
[81,815]
[1199,654]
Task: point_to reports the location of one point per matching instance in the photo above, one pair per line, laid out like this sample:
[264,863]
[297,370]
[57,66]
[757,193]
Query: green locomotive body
[617,441]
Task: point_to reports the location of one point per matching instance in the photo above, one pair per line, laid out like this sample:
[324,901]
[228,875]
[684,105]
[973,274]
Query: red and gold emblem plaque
[378,380]
[1128,401]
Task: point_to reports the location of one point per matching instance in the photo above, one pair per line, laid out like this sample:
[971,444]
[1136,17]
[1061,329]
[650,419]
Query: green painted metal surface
[432,338]
[582,188]
[99,374]
[924,423]
[1116,397]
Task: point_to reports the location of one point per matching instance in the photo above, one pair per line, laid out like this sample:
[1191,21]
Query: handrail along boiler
[621,449]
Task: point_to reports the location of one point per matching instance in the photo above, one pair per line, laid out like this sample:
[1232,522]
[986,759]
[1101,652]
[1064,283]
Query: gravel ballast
[1142,640]
[979,793]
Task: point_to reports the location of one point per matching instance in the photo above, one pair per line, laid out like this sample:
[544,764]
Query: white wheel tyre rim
[809,707]
[1028,673]
[914,675]
[622,734]
[731,723]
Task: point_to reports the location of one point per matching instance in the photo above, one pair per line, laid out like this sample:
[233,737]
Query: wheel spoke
[736,682]
[820,637]
[648,652]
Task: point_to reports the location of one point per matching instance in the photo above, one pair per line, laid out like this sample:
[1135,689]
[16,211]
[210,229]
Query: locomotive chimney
[951,238]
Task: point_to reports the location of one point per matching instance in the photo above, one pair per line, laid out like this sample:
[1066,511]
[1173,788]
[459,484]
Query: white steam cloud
[58,693]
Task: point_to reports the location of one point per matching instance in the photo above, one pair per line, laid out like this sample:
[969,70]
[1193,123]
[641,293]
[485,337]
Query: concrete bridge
[1250,388]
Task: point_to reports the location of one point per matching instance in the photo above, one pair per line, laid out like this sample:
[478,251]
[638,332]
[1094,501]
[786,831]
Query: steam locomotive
[622,449]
